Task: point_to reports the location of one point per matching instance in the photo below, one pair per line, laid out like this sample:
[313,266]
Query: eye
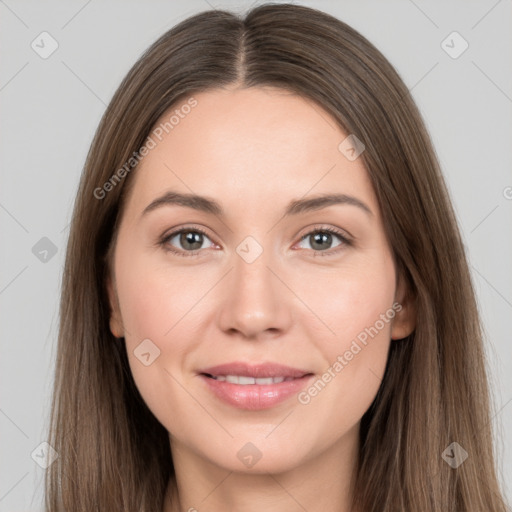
[190,239]
[321,239]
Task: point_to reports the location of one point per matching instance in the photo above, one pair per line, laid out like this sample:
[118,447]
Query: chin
[259,456]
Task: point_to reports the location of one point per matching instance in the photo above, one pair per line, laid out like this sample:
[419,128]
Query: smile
[254,387]
[244,381]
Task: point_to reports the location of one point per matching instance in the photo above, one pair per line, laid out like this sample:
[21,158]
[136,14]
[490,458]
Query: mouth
[254,387]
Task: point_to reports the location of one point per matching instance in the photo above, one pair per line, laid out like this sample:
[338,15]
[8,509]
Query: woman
[319,347]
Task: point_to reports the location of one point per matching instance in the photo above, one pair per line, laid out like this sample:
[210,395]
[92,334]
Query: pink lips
[254,387]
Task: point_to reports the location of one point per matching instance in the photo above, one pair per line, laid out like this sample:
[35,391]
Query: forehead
[249,147]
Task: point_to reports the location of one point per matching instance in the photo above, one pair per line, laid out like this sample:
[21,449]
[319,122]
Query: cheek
[353,298]
[160,306]
[156,303]
[360,315]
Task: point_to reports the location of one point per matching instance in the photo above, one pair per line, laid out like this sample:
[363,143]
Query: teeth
[246,380]
[268,380]
[243,380]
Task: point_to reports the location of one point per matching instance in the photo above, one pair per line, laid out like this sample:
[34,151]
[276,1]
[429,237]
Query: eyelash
[345,242]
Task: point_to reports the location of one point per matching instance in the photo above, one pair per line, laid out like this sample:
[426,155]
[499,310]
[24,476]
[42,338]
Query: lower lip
[254,397]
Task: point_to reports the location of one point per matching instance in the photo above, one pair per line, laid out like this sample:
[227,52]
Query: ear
[404,321]
[116,322]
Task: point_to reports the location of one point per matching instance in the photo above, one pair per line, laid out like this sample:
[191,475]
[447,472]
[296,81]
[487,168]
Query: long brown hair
[113,453]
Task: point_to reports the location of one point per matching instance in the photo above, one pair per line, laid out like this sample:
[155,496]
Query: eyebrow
[295,207]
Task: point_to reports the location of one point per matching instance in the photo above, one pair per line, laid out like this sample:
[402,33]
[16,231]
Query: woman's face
[265,284]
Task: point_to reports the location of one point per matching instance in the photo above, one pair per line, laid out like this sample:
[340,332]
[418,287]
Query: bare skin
[301,302]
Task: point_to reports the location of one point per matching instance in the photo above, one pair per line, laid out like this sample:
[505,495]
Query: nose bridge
[254,300]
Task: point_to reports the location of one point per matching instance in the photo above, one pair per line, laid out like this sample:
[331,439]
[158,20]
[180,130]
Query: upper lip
[259,370]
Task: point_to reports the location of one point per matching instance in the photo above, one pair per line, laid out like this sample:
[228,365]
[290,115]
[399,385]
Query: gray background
[51,107]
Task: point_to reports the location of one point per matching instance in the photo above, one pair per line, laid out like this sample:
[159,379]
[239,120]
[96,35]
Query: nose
[255,302]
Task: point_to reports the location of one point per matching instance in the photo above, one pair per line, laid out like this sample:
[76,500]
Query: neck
[323,483]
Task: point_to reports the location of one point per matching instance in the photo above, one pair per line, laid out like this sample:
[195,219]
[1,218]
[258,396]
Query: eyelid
[342,233]
[188,227]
